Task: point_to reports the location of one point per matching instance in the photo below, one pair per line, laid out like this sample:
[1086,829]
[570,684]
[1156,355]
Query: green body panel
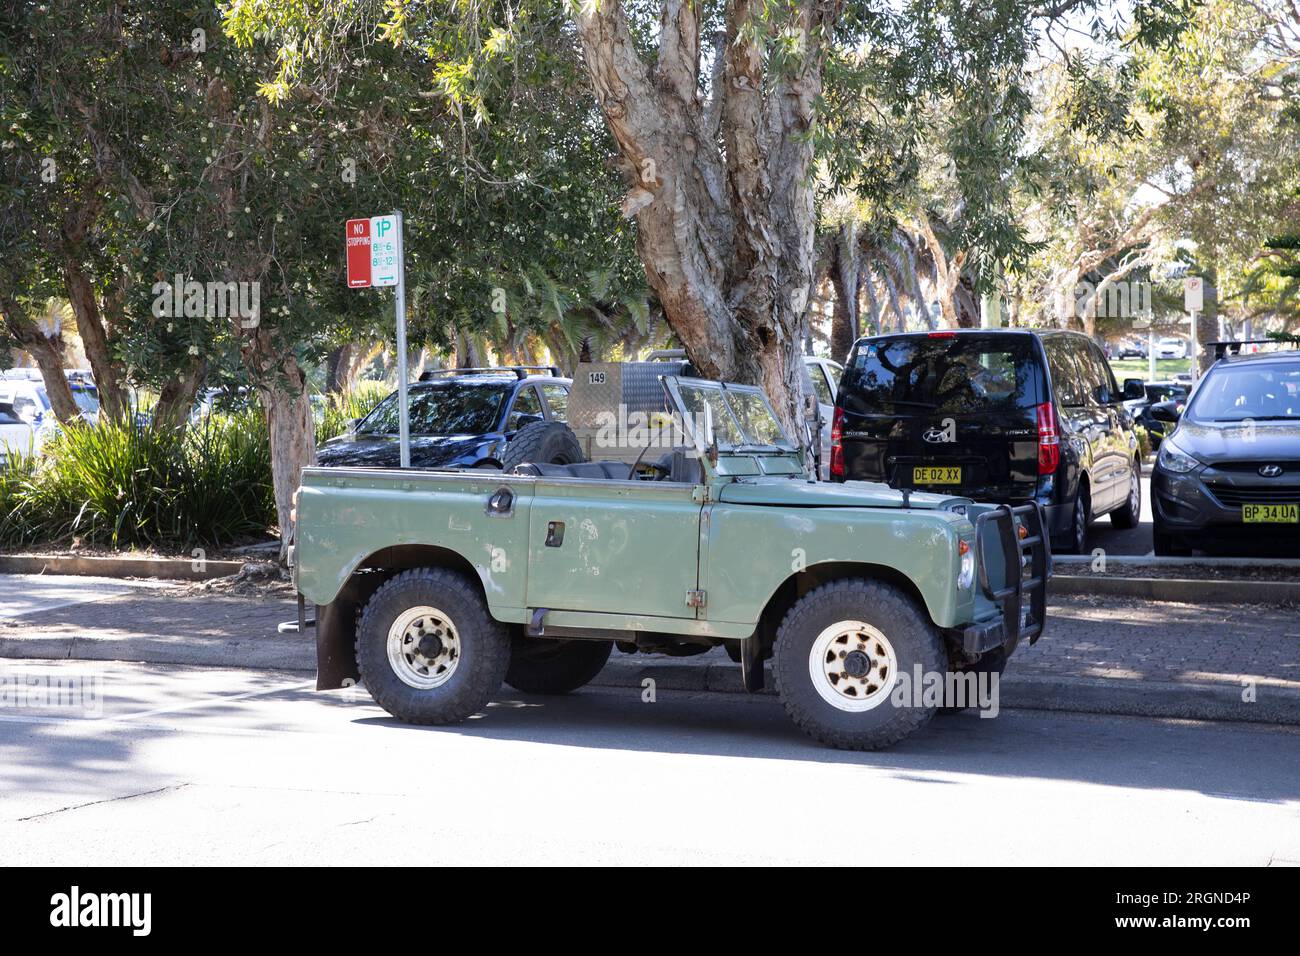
[631,551]
[347,514]
[629,547]
[752,549]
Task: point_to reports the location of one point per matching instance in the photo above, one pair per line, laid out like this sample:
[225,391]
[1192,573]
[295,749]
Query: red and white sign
[358,246]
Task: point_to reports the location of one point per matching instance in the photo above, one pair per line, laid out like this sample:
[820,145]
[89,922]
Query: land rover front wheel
[427,648]
[846,656]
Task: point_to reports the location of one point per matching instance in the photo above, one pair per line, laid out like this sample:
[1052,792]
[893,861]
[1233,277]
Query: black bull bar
[1021,596]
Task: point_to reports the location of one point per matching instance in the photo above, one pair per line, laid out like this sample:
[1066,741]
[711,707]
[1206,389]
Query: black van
[996,415]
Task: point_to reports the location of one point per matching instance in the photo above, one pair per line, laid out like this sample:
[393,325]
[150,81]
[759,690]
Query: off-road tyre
[543,443]
[542,666]
[908,634]
[482,647]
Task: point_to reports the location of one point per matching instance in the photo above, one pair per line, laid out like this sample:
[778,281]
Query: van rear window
[953,375]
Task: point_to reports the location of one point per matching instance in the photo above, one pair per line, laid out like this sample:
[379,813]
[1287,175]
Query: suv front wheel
[842,652]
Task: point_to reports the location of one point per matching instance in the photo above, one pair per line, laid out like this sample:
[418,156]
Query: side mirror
[351,426]
[1134,388]
[1166,412]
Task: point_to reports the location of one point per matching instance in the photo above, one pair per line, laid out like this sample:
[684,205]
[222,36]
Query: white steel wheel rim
[423,648]
[853,666]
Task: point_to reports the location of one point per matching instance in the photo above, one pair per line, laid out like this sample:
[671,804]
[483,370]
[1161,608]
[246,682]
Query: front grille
[1253,467]
[1235,496]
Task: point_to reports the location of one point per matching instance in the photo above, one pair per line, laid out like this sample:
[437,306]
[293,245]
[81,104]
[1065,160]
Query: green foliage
[343,407]
[1143,439]
[120,485]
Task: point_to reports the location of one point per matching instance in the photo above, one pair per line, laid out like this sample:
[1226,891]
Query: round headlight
[966,575]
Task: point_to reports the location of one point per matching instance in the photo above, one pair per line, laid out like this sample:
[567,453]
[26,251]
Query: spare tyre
[543,443]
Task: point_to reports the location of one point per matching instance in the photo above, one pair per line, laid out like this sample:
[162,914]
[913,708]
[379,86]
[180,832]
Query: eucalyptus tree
[719,112]
[1166,153]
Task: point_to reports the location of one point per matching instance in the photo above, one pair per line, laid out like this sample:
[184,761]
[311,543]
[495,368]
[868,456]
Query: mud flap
[751,663]
[336,632]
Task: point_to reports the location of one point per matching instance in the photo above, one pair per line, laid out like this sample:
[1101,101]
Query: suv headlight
[1174,460]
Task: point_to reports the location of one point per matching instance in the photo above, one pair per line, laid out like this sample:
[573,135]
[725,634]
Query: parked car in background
[17,436]
[458,418]
[31,402]
[1153,394]
[1133,348]
[1171,347]
[221,398]
[1009,416]
[1229,473]
[825,375]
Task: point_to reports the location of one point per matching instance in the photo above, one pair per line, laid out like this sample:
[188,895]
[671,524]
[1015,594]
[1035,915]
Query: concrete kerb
[112,566]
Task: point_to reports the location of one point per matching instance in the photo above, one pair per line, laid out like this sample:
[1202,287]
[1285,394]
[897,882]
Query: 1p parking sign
[384,252]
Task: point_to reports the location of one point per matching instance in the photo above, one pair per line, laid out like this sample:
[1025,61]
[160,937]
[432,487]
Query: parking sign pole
[404,415]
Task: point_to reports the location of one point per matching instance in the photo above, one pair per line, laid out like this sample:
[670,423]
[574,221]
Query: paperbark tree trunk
[337,366]
[94,339]
[282,388]
[1207,322]
[846,273]
[176,398]
[47,352]
[719,188]
[947,275]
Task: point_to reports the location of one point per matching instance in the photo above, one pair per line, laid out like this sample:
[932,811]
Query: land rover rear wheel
[841,654]
[542,666]
[427,648]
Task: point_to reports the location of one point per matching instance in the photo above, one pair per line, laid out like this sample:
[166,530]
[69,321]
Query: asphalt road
[1135,541]
[195,766]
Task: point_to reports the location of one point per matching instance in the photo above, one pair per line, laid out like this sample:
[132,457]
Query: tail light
[1049,439]
[837,443]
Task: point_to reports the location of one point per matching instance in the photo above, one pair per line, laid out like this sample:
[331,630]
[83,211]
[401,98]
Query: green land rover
[670,515]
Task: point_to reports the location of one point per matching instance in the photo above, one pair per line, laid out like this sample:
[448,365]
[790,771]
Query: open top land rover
[692,523]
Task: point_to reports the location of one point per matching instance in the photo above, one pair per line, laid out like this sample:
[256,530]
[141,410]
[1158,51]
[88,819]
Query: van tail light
[837,443]
[1049,439]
